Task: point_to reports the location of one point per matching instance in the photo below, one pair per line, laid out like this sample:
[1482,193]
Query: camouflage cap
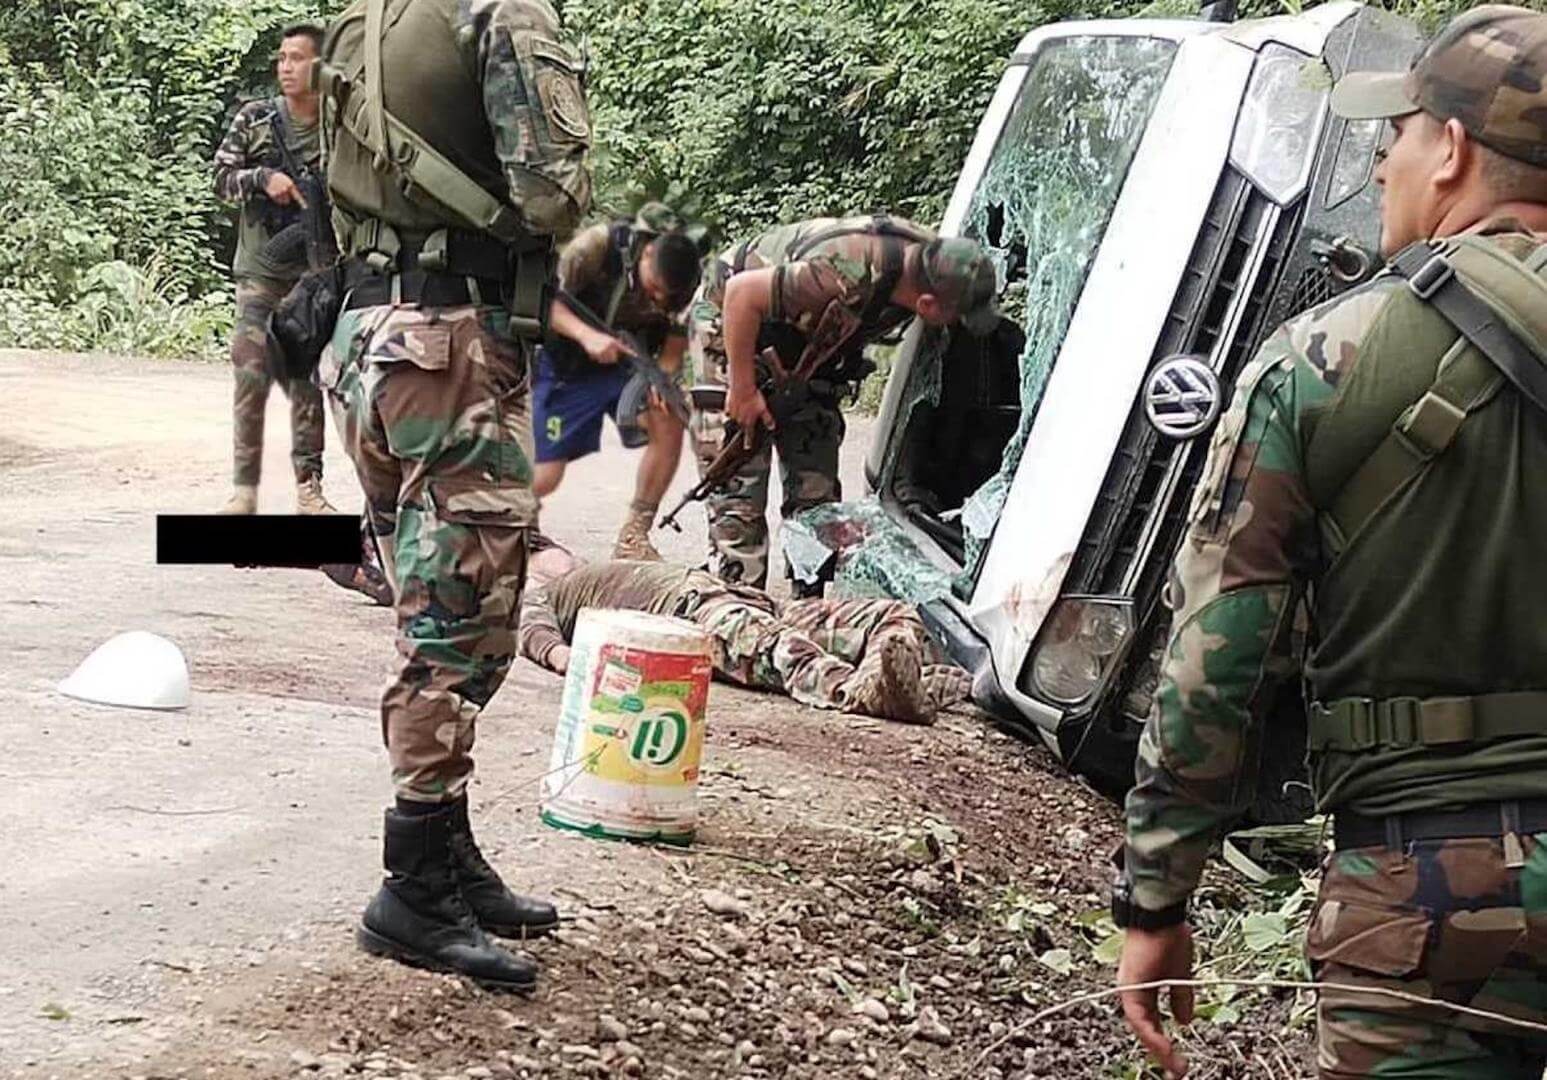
[957,269]
[1487,69]
[657,217]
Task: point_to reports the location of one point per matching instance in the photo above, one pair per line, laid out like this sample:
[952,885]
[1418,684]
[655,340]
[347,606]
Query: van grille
[1231,276]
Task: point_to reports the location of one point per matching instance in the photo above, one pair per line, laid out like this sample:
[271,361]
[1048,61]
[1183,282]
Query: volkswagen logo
[1181,396]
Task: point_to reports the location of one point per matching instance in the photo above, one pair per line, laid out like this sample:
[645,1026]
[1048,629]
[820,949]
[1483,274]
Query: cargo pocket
[427,347]
[1374,940]
[473,501]
[559,72]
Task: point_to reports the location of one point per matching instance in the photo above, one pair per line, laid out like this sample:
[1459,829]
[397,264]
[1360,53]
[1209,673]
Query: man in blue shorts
[620,280]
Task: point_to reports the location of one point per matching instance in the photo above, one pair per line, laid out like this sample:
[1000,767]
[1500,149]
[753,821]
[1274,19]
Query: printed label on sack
[646,717]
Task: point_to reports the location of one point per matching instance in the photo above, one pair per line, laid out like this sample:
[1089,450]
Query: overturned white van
[1158,195]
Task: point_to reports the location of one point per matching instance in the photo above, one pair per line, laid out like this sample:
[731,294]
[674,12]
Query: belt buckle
[1431,276]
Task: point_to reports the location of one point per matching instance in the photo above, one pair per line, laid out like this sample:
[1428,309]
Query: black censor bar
[253,540]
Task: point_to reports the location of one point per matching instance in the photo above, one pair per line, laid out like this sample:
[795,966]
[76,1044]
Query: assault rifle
[304,231]
[734,454]
[782,388]
[640,363]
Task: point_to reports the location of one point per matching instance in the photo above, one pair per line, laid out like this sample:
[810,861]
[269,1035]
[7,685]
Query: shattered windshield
[1043,203]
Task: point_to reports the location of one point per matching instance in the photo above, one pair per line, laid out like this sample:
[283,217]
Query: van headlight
[1079,646]
[1280,122]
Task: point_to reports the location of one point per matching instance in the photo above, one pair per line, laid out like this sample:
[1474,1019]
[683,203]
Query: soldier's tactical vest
[432,91]
[878,318]
[1431,612]
[410,160]
[601,299]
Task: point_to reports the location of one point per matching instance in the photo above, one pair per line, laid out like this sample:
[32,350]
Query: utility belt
[1509,820]
[448,267]
[422,288]
[1357,725]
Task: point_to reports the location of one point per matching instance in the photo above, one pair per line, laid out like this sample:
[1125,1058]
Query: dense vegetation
[110,109]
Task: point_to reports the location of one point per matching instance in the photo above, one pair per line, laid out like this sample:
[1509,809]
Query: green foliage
[791,109]
[109,114]
[742,114]
[121,308]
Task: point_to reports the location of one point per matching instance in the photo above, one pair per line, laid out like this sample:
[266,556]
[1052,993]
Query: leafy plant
[742,115]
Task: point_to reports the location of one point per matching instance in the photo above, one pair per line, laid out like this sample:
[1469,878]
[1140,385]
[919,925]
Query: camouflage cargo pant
[434,409]
[807,648]
[1446,919]
[256,298]
[806,441]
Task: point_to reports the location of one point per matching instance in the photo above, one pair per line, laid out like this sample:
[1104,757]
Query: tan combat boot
[308,497]
[634,538]
[946,685]
[888,684]
[243,500]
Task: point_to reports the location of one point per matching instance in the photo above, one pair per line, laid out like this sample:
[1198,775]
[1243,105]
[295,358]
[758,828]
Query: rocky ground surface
[863,899]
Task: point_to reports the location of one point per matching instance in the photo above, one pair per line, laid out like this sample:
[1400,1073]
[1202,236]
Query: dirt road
[180,888]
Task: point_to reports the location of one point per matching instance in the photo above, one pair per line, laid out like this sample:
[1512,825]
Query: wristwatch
[1126,914]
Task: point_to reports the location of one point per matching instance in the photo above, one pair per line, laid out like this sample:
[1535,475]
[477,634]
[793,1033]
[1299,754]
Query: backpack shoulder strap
[397,148]
[877,225]
[620,252]
[1502,293]
[894,234]
[281,124]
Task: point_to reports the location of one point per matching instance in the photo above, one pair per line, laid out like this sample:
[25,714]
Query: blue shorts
[567,414]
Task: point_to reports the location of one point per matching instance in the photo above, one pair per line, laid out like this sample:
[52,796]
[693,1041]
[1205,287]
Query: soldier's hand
[282,190]
[604,348]
[559,658]
[1150,956]
[748,410]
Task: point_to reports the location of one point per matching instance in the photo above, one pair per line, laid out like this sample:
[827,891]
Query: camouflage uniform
[1442,917]
[433,401]
[808,649]
[847,269]
[245,160]
[434,415]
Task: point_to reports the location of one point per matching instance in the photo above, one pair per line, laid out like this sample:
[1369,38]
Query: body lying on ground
[864,656]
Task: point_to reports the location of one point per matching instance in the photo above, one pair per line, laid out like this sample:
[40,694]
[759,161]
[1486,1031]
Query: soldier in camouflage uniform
[845,282]
[636,277]
[250,171]
[456,161]
[864,656]
[1400,499]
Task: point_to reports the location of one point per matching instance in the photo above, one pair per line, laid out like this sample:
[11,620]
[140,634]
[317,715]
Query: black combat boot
[498,910]
[419,917]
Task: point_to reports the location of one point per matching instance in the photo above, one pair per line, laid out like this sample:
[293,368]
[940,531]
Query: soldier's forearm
[670,358]
[235,184]
[1168,833]
[1196,771]
[563,321]
[538,634]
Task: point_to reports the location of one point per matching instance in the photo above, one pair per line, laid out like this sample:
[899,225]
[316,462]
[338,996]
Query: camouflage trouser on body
[807,442]
[807,648]
[434,409]
[256,298]
[1445,919]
